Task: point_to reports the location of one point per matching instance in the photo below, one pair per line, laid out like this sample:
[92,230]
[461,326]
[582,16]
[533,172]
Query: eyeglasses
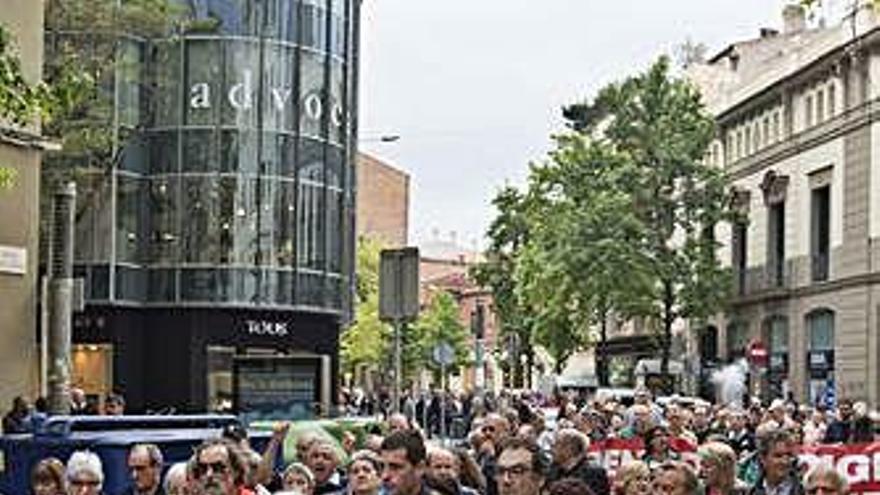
[514,471]
[215,467]
[139,467]
[820,489]
[80,482]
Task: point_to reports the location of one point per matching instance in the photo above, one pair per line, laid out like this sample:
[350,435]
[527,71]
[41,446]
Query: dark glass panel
[131,219]
[163,208]
[335,166]
[284,291]
[135,152]
[166,94]
[204,96]
[162,286]
[198,285]
[337,108]
[238,152]
[202,235]
[131,284]
[100,283]
[285,228]
[279,98]
[200,151]
[310,289]
[312,94]
[334,230]
[242,73]
[314,24]
[163,152]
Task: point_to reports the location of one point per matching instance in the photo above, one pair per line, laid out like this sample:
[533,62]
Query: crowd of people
[514,446]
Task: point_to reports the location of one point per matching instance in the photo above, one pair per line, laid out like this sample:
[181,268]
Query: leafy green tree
[660,125]
[367,342]
[440,322]
[23,102]
[584,263]
[508,234]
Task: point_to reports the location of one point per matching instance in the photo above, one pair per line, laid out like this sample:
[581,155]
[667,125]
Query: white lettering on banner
[263,327]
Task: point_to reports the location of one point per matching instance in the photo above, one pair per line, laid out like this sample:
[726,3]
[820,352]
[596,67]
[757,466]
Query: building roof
[746,68]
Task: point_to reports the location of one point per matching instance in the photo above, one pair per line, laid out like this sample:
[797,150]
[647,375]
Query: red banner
[860,463]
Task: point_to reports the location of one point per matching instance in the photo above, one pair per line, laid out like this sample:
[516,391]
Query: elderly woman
[718,469]
[47,477]
[364,473]
[297,477]
[177,479]
[85,474]
[825,479]
[633,478]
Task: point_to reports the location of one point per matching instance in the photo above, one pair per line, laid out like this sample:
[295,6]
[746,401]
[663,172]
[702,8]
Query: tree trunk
[601,353]
[668,319]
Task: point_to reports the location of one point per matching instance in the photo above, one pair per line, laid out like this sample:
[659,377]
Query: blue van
[110,437]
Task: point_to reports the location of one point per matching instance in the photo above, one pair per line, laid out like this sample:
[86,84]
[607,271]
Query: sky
[474,88]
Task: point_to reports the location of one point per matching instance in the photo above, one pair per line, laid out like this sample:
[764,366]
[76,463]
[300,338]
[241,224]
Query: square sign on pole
[399,285]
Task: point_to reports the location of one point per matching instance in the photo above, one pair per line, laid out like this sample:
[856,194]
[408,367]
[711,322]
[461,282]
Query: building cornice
[830,286]
[837,127]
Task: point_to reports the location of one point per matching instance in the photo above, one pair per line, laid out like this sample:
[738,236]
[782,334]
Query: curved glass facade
[233,179]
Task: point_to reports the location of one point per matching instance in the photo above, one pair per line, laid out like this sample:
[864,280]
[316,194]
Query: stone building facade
[798,134]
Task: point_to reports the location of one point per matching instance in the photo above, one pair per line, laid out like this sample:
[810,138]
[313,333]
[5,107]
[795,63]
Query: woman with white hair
[85,475]
[825,479]
[177,479]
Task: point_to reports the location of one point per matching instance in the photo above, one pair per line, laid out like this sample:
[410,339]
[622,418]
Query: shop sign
[13,260]
[821,360]
[240,97]
[265,327]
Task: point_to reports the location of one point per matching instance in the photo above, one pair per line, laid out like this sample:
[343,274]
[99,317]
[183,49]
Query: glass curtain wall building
[225,203]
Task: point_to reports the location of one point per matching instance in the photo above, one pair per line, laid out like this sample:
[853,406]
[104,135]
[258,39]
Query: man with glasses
[145,465]
[520,468]
[85,474]
[219,468]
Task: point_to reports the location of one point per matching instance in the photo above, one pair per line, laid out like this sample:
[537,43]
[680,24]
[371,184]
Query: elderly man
[494,430]
[403,457]
[444,471]
[823,479]
[520,469]
[219,468]
[776,454]
[85,475]
[323,461]
[570,461]
[177,479]
[145,466]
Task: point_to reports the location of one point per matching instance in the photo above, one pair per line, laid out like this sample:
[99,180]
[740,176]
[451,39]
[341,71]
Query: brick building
[382,201]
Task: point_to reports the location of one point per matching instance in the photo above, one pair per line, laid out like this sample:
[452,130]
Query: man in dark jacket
[570,461]
[840,430]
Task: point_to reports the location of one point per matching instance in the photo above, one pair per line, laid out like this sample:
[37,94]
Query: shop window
[820,353]
[92,368]
[820,232]
[220,378]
